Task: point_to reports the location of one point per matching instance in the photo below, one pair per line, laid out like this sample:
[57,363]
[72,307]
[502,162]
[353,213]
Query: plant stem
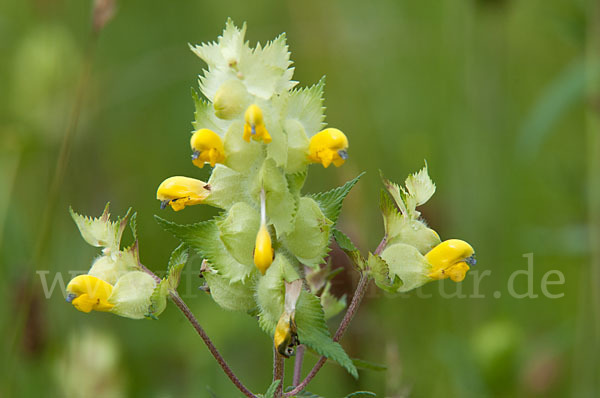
[298,364]
[196,325]
[358,296]
[278,372]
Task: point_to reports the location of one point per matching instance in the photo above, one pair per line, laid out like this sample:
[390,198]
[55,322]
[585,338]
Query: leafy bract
[331,201]
[177,261]
[204,238]
[305,105]
[313,332]
[405,262]
[100,231]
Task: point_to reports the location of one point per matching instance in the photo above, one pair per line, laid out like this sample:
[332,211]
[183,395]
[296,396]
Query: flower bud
[255,125]
[451,259]
[328,146]
[263,251]
[207,147]
[230,99]
[179,192]
[88,293]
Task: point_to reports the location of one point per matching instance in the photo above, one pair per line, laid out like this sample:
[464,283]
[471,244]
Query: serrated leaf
[204,238]
[349,248]
[177,261]
[303,393]
[397,193]
[100,231]
[306,106]
[331,201]
[313,331]
[272,388]
[362,364]
[361,394]
[420,187]
[205,118]
[379,271]
[158,300]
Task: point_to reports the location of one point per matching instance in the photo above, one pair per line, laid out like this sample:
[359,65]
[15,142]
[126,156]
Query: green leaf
[362,364]
[306,106]
[309,241]
[313,331]
[361,394]
[331,201]
[158,300]
[349,248]
[177,261]
[204,238]
[420,187]
[332,305]
[397,193]
[100,231]
[272,388]
[379,270]
[205,118]
[303,393]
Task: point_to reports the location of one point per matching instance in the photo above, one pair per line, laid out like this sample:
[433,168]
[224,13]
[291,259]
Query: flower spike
[179,192]
[328,146]
[207,147]
[255,125]
[88,293]
[451,259]
[263,250]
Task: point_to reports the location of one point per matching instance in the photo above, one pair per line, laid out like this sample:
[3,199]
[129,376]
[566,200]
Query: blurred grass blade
[558,97]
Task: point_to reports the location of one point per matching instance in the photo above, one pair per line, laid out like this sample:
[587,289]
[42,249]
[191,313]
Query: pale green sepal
[236,296]
[204,238]
[296,182]
[280,203]
[331,305]
[238,232]
[277,148]
[177,261]
[111,268]
[272,388]
[401,229]
[231,99]
[131,295]
[309,241]
[405,262]
[313,331]
[305,105]
[331,201]
[380,272]
[100,231]
[241,156]
[205,118]
[226,187]
[297,146]
[270,291]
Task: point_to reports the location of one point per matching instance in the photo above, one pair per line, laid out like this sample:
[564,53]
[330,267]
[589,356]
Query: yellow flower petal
[179,192]
[328,146]
[207,147]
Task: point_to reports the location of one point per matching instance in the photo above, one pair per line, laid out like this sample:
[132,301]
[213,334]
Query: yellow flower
[328,146]
[286,334]
[255,125]
[207,147]
[451,259]
[263,250]
[179,192]
[88,293]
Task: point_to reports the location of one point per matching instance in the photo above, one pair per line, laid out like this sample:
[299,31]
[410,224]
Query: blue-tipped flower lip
[195,155]
[343,154]
[70,297]
[471,260]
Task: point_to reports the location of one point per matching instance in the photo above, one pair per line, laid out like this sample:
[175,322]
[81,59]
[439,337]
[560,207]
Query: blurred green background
[492,93]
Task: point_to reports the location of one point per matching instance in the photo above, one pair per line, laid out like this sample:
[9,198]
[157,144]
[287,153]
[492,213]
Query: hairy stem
[358,296]
[298,364]
[278,372]
[211,347]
